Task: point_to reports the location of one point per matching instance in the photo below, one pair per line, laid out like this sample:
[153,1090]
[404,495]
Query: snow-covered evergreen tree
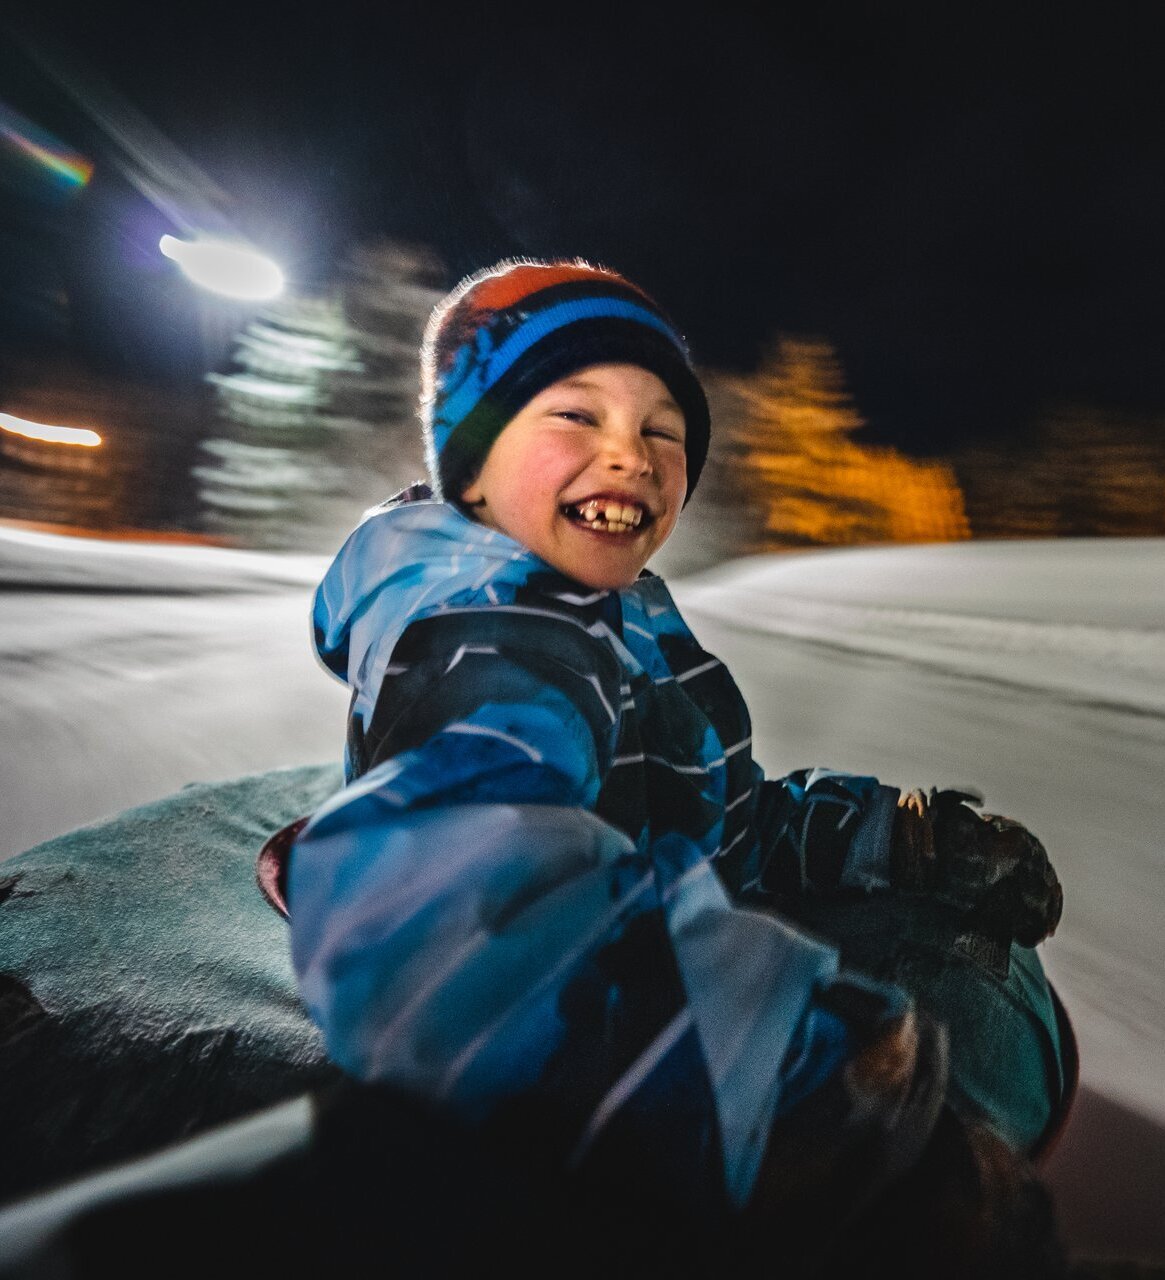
[317,413]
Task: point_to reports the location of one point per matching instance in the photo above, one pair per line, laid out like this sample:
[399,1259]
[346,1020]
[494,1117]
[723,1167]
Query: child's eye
[575,415]
[665,433]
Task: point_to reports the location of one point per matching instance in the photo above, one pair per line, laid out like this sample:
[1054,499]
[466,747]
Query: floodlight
[227,267]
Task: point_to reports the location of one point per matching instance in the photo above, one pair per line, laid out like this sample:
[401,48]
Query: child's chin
[600,570]
[606,581]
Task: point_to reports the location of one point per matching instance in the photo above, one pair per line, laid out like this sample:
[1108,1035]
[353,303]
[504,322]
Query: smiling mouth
[606,515]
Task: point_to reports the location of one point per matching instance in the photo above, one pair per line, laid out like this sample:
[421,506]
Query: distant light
[228,267]
[51,435]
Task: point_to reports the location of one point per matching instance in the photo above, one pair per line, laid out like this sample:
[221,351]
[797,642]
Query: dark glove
[987,866]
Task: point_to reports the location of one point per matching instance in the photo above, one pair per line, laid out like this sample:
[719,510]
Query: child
[549,897]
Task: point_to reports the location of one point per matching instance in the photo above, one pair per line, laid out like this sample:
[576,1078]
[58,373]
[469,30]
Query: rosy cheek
[555,463]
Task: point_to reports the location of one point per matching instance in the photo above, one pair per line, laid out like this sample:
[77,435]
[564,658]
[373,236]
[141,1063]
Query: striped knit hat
[507,333]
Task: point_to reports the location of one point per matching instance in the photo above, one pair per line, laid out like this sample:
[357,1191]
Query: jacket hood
[408,558]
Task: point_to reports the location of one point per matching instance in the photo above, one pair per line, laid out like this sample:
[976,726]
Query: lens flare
[226,267]
[34,143]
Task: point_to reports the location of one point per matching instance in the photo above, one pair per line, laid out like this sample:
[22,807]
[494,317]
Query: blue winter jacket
[525,903]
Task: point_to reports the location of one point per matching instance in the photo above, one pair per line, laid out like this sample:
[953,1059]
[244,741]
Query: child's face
[590,474]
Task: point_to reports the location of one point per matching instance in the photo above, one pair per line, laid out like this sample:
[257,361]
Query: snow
[131,669]
[1081,618]
[1031,671]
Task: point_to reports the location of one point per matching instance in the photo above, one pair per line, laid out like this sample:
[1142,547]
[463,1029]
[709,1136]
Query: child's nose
[627,451]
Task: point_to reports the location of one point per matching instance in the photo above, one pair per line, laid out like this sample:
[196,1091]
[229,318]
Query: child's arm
[484,757]
[819,830]
[822,832]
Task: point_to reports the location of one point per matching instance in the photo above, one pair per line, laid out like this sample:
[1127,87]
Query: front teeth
[612,517]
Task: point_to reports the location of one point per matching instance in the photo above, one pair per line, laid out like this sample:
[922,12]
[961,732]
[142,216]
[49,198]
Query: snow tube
[146,988]
[1013,1055]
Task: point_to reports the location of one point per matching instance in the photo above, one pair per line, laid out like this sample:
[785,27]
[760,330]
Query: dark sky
[967,200]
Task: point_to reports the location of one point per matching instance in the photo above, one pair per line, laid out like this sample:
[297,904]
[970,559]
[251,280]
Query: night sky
[967,200]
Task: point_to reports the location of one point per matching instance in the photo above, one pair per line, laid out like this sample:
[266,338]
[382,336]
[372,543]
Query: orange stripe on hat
[496,293]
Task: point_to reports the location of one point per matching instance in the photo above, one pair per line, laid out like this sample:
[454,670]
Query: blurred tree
[266,478]
[1083,472]
[317,416]
[797,465]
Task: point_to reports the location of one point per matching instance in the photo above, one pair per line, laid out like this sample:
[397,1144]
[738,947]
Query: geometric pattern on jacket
[526,901]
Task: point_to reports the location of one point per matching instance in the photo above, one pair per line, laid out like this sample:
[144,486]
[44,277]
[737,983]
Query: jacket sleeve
[820,831]
[480,764]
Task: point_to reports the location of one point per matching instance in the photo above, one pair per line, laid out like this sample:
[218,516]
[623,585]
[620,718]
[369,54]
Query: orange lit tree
[793,450]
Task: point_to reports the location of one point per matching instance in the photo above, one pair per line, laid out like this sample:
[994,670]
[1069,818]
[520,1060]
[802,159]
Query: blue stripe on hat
[482,373]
